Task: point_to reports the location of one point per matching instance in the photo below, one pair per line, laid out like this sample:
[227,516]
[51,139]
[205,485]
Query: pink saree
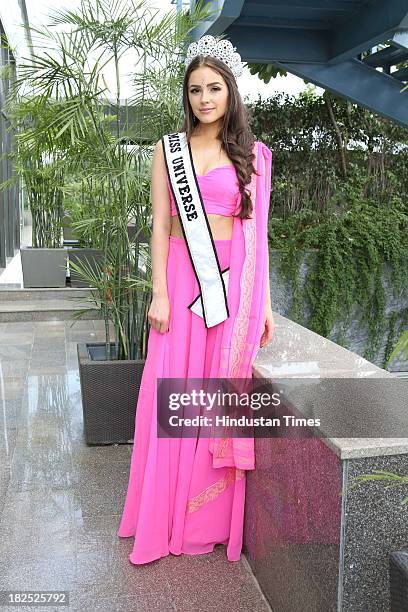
[186,495]
[242,332]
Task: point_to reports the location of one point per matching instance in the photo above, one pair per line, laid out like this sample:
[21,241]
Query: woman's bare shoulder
[158,147]
[158,153]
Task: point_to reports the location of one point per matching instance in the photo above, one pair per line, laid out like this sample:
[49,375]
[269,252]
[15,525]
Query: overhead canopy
[322,41]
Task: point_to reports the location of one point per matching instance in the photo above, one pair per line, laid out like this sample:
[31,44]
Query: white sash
[212,301]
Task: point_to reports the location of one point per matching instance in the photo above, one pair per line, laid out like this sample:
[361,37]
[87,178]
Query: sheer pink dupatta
[248,276]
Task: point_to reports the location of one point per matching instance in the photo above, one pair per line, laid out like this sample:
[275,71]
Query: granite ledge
[356,448]
[296,351]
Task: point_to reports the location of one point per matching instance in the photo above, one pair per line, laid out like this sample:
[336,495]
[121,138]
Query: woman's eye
[212,88]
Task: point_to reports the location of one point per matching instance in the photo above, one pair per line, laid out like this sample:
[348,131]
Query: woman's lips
[206,110]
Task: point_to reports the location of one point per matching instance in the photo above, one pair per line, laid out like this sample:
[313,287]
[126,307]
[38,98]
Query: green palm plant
[384,476]
[400,347]
[41,167]
[110,159]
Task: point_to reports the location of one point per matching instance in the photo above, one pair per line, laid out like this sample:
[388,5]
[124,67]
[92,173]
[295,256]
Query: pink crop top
[219,189]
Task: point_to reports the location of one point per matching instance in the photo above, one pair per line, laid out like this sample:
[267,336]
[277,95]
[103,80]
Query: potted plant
[86,200]
[40,165]
[111,372]
[108,150]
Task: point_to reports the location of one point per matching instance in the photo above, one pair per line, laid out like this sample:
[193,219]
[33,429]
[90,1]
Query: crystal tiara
[222,49]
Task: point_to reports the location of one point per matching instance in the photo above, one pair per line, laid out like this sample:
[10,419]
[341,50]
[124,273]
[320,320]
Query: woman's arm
[159,312]
[268,285]
[269,322]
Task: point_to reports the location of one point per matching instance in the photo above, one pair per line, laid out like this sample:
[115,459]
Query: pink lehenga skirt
[176,502]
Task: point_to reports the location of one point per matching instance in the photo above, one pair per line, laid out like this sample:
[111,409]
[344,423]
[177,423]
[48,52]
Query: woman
[210,311]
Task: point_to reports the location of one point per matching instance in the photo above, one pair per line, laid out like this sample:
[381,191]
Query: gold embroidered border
[214,490]
[222,447]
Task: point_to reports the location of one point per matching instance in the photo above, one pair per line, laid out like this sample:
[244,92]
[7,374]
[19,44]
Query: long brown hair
[235,135]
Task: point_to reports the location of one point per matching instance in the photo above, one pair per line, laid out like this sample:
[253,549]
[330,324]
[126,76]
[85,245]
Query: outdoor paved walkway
[60,500]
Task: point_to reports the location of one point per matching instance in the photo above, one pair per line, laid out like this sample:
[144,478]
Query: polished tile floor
[60,500]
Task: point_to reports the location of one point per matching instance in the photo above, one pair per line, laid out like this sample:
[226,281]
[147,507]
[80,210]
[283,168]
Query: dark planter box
[399,580]
[109,395]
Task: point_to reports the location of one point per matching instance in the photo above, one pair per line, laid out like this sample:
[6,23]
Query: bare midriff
[221,226]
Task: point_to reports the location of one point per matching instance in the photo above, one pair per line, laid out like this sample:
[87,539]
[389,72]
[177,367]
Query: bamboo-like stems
[70,107]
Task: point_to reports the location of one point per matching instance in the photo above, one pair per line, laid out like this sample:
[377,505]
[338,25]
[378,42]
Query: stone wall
[355,335]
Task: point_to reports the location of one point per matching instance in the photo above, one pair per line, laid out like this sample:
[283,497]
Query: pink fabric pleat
[176,501]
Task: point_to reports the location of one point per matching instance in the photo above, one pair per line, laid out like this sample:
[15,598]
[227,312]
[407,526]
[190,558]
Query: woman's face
[207,90]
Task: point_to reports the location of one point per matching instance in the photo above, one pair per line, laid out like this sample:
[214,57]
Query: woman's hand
[269,326]
[159,313]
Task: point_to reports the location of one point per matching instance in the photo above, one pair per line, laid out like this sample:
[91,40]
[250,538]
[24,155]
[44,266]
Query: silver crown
[222,49]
